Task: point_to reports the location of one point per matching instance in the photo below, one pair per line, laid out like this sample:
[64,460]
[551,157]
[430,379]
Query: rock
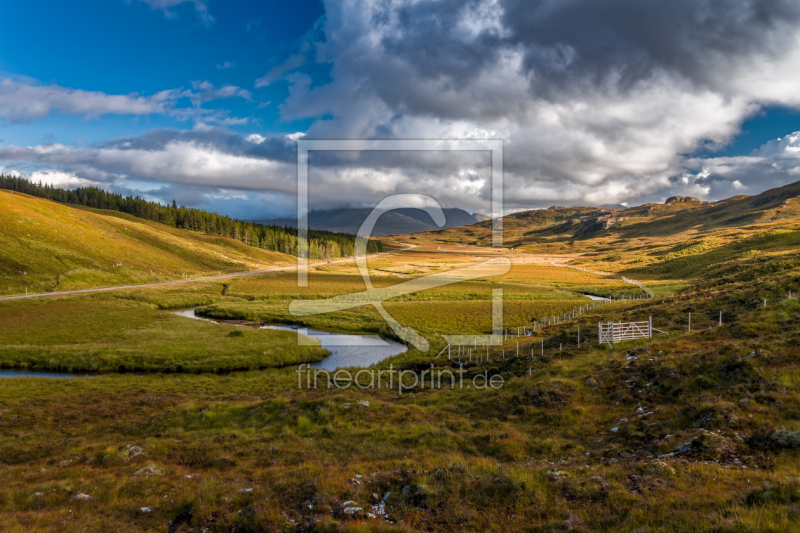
[81,496]
[379,509]
[370,515]
[614,430]
[359,476]
[38,494]
[680,199]
[135,451]
[146,509]
[65,462]
[640,410]
[352,510]
[386,496]
[782,439]
[348,503]
[363,403]
[149,470]
[247,490]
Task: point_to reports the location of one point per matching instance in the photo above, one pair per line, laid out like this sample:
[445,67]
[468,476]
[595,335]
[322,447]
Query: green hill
[49,246]
[679,238]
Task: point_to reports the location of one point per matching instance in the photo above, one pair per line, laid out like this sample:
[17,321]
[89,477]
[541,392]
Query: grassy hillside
[50,246]
[693,430]
[677,239]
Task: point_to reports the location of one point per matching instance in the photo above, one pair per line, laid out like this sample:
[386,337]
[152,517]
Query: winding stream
[346,351]
[29,374]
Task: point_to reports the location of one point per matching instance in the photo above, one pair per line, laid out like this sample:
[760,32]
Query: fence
[624,331]
[650,293]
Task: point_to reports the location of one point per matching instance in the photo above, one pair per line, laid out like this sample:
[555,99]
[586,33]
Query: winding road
[193,280]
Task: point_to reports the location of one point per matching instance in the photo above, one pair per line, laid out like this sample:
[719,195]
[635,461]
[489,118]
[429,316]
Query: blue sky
[120,47]
[204,100]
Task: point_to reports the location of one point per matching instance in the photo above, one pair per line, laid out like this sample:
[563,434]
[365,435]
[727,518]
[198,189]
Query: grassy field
[207,428]
[48,246]
[104,334]
[539,453]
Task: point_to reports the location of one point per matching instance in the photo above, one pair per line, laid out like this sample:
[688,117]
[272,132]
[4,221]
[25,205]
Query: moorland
[187,425]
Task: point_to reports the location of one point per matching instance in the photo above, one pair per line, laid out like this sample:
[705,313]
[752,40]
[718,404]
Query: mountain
[394,222]
[681,235]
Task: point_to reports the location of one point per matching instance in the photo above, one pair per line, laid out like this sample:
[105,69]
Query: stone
[352,510]
[149,470]
[146,509]
[363,403]
[81,496]
[680,199]
[135,451]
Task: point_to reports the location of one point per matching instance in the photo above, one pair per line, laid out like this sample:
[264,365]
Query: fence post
[650,327]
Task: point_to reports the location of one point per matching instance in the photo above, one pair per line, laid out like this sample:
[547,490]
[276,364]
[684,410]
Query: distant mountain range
[394,222]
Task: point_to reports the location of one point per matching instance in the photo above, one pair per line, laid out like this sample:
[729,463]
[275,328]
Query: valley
[204,424]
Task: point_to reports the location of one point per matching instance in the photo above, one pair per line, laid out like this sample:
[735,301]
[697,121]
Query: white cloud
[64,180]
[176,162]
[277,72]
[166,6]
[24,101]
[593,106]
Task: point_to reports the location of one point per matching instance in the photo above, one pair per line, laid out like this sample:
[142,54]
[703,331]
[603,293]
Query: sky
[597,102]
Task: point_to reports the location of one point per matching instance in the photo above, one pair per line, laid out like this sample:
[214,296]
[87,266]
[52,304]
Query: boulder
[149,470]
[680,199]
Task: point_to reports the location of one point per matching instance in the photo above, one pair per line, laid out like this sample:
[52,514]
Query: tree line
[321,244]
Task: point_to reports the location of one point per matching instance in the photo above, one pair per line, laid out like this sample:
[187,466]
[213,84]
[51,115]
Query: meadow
[187,425]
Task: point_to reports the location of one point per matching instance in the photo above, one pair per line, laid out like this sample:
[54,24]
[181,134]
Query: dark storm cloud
[596,102]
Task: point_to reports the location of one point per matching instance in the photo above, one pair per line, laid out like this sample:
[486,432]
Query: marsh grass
[688,431]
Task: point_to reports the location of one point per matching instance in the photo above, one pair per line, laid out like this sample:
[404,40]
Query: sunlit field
[204,423]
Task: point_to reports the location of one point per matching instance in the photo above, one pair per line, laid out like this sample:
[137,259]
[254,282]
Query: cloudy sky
[598,102]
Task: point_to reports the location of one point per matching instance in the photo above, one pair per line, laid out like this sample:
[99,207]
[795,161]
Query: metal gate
[624,331]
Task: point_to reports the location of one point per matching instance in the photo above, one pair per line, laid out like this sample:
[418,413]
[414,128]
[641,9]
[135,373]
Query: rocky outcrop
[679,199]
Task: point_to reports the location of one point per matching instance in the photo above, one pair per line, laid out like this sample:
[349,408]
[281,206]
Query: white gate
[624,331]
